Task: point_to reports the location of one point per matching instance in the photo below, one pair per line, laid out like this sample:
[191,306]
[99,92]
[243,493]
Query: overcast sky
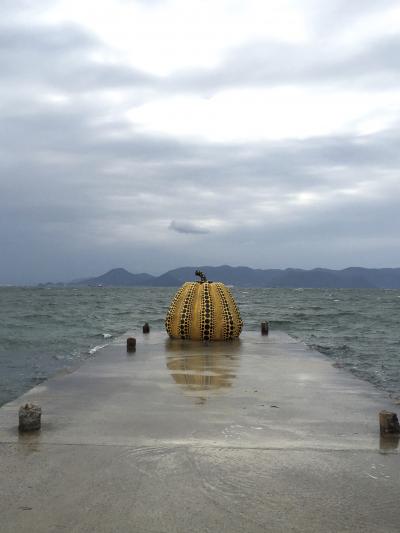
[155,134]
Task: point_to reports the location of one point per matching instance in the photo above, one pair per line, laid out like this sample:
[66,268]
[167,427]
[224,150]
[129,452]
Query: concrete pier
[249,436]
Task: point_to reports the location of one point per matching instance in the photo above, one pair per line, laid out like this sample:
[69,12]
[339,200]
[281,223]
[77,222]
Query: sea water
[44,330]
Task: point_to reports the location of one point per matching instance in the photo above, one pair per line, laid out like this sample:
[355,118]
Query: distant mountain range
[353,277]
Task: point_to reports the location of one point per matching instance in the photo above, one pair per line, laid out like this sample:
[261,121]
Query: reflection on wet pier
[389,443]
[203,367]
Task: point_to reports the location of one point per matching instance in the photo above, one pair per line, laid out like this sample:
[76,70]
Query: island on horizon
[242,276]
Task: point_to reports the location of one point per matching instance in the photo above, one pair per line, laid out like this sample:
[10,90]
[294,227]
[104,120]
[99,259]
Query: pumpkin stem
[201,275]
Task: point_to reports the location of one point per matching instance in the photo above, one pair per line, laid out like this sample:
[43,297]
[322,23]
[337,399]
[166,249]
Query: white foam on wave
[96,349]
[107,335]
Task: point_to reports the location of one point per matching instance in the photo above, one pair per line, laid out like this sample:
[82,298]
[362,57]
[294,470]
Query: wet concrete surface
[259,434]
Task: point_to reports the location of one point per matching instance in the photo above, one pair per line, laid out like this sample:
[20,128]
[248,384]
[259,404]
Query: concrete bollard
[264,328]
[388,423]
[29,417]
[146,328]
[131,344]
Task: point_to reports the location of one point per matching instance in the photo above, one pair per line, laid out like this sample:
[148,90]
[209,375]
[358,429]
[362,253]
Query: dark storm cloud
[82,207]
[80,190]
[83,189]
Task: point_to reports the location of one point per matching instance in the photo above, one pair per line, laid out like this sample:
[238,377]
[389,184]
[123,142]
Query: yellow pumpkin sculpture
[203,310]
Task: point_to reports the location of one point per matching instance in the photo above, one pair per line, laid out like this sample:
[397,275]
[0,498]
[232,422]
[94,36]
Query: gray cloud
[81,197]
[61,57]
[187,227]
[271,64]
[330,18]
[82,189]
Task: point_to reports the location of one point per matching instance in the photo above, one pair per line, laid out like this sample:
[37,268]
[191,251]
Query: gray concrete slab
[256,435]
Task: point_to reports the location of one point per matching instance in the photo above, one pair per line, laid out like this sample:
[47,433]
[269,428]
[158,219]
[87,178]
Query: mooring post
[146,328]
[264,328]
[29,417]
[388,423]
[131,344]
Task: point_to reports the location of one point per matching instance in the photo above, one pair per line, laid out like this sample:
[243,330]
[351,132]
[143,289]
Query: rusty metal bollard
[264,328]
[146,328]
[29,417]
[131,344]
